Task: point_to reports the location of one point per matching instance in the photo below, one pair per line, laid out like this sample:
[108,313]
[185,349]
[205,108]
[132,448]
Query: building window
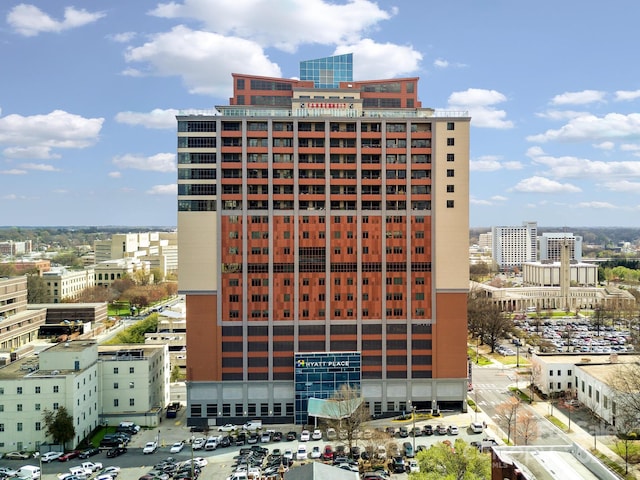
[451,126]
[449,203]
[56,405]
[38,426]
[450,188]
[132,402]
[569,385]
[116,403]
[569,374]
[132,369]
[37,407]
[131,385]
[19,426]
[115,370]
[56,388]
[19,390]
[1,427]
[451,157]
[551,373]
[450,173]
[37,389]
[116,386]
[550,385]
[451,142]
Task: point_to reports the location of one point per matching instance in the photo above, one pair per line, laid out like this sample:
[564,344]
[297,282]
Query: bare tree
[507,415]
[485,318]
[346,413]
[526,428]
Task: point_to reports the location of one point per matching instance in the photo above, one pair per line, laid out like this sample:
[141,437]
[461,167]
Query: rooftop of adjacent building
[590,359]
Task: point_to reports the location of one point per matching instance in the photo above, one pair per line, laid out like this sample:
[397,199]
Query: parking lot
[220,462]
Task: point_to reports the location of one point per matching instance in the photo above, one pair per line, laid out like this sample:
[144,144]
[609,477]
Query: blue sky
[89,93]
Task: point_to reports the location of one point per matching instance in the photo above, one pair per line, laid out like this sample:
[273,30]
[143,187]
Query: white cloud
[13,171]
[284,25]
[627,95]
[440,63]
[477,201]
[40,151]
[499,198]
[157,118]
[599,205]
[490,163]
[124,37]
[574,167]
[543,185]
[604,146]
[29,20]
[590,128]
[60,191]
[479,103]
[115,174]
[161,162]
[171,189]
[623,186]
[36,135]
[578,98]
[372,59]
[560,114]
[42,167]
[630,147]
[204,60]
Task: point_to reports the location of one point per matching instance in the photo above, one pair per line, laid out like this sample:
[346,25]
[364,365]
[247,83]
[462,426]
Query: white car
[197,461]
[414,466]
[288,454]
[112,471]
[50,456]
[315,452]
[229,427]
[7,472]
[198,443]
[453,430]
[305,436]
[316,435]
[177,447]
[301,454]
[150,447]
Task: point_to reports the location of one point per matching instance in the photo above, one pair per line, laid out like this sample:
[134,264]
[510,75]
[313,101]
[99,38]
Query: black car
[90,452]
[403,432]
[116,452]
[292,436]
[397,465]
[225,442]
[277,436]
[428,429]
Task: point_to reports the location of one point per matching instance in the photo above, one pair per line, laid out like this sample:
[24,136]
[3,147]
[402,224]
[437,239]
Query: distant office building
[322,220]
[40,266]
[513,246]
[158,249]
[18,325]
[328,72]
[547,274]
[551,246]
[66,284]
[485,242]
[108,272]
[12,248]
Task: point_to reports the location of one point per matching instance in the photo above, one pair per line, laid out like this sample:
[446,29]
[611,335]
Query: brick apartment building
[323,237]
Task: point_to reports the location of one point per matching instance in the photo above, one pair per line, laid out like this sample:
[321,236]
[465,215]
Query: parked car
[292,435]
[69,456]
[198,443]
[441,430]
[116,452]
[228,427]
[413,466]
[7,472]
[301,454]
[331,434]
[453,430]
[176,447]
[316,435]
[277,436]
[305,436]
[22,455]
[327,454]
[315,452]
[89,452]
[398,465]
[150,447]
[50,456]
[428,429]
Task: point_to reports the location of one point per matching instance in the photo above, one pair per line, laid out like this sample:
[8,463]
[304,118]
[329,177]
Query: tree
[485,319]
[37,290]
[507,415]
[59,425]
[460,462]
[69,259]
[526,428]
[346,412]
[7,270]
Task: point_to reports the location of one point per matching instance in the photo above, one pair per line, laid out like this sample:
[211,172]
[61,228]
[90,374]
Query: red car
[327,454]
[69,455]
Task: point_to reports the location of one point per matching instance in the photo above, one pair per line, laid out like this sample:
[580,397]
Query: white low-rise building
[95,384]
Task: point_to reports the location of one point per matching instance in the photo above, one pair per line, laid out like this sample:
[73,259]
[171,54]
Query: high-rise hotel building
[323,239]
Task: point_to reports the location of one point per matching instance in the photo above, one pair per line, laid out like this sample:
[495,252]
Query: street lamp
[413,416]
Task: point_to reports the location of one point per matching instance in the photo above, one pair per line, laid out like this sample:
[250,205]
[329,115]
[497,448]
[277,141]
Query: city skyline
[87,119]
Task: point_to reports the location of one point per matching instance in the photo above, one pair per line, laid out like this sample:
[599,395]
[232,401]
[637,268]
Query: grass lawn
[118,308]
[510,360]
[480,359]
